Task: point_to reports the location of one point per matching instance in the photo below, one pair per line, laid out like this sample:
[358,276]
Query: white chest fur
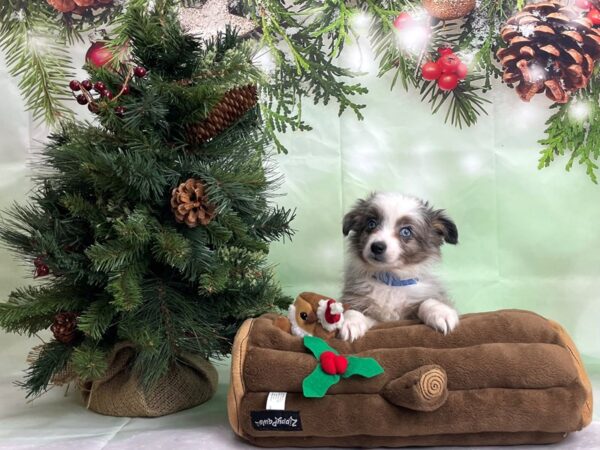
[387,303]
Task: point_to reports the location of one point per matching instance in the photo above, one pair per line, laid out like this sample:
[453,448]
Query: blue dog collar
[392,280]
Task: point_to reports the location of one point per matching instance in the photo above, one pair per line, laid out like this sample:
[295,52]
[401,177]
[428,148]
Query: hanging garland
[548,47]
[34,39]
[449,51]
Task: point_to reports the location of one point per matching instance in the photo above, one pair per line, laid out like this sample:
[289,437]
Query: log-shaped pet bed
[501,378]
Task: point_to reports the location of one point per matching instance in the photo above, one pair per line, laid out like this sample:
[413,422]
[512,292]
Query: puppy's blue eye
[371,224]
[405,232]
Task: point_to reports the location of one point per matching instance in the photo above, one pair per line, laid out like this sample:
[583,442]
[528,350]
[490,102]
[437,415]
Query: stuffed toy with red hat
[313,314]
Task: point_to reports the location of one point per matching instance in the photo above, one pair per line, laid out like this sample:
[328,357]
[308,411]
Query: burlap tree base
[187,384]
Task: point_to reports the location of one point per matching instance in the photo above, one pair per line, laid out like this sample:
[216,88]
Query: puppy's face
[393,231]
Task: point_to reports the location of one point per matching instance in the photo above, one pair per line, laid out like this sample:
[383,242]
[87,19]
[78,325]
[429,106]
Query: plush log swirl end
[422,389]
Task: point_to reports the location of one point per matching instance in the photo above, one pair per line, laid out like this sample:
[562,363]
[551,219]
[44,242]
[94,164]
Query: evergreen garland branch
[577,138]
[41,63]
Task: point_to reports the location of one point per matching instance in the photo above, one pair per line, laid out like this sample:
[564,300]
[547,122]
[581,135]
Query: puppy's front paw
[355,325]
[438,315]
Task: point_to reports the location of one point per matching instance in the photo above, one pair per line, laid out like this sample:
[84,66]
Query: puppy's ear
[445,227]
[352,219]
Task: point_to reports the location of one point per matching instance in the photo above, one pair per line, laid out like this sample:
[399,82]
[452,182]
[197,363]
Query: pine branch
[579,137]
[89,362]
[32,309]
[41,64]
[96,319]
[126,288]
[52,359]
[464,105]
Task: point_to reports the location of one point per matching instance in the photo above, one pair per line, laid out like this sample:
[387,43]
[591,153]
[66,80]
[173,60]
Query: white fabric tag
[276,400]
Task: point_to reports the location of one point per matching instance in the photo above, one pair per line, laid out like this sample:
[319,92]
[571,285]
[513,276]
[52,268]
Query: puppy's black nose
[377,248]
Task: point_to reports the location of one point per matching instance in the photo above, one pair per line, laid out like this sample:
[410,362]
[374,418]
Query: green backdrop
[528,239]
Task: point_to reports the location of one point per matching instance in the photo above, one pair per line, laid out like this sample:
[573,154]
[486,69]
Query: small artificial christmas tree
[147,232]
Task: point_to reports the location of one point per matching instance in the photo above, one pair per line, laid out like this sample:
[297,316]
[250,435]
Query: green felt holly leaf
[318,383]
[365,367]
[317,346]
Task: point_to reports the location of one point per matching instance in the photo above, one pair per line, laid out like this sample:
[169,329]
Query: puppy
[394,242]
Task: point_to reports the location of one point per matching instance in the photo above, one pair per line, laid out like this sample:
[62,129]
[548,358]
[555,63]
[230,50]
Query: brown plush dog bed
[505,377]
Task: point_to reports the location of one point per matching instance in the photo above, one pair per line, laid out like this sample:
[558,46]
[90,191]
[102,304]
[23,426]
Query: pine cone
[77,6]
[190,204]
[234,104]
[64,327]
[551,48]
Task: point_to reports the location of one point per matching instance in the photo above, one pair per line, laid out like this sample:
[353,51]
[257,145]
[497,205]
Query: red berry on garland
[93,108]
[120,111]
[443,51]
[87,85]
[431,71]
[82,99]
[449,63]
[461,71]
[448,82]
[74,85]
[583,4]
[402,21]
[98,54]
[124,89]
[106,94]
[99,86]
[594,16]
[139,72]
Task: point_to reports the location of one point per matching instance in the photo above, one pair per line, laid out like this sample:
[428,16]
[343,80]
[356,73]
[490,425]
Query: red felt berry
[431,71]
[449,63]
[402,21]
[124,89]
[99,86]
[120,111]
[74,85]
[139,72]
[327,360]
[443,51]
[583,4]
[87,85]
[107,94]
[448,82]
[594,16]
[81,99]
[341,364]
[461,71]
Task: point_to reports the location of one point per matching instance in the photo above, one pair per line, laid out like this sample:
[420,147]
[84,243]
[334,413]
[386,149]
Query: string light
[579,110]
[415,33]
[360,22]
